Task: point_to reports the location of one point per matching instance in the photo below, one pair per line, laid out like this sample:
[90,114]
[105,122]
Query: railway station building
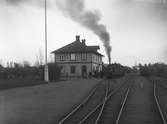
[77,59]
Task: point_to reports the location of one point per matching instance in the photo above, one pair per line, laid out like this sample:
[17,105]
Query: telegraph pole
[46,74]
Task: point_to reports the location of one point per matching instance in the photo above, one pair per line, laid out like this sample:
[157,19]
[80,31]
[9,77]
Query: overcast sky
[137,28]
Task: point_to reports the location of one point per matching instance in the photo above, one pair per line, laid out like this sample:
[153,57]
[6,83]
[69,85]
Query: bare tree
[39,58]
[1,62]
[26,64]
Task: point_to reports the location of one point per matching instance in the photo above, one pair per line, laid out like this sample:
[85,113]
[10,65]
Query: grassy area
[20,82]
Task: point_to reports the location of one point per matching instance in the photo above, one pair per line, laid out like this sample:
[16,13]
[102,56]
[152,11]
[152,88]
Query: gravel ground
[42,104]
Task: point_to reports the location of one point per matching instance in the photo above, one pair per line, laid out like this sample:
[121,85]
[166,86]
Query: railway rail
[78,115]
[84,107]
[160,92]
[95,116]
[106,114]
[109,113]
[113,104]
[159,112]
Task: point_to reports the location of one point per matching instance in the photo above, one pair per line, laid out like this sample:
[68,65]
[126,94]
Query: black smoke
[75,10]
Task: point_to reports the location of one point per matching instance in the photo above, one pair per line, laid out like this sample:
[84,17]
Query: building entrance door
[84,71]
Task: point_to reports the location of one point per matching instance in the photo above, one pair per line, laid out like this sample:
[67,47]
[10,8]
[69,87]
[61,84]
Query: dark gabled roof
[78,47]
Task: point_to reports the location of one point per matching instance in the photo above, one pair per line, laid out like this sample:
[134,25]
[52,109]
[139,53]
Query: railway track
[160,93]
[156,114]
[85,106]
[112,109]
[111,104]
[94,102]
[105,112]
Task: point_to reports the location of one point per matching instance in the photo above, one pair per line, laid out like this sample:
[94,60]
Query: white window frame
[83,56]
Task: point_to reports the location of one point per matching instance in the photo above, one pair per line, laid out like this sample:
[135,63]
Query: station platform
[42,104]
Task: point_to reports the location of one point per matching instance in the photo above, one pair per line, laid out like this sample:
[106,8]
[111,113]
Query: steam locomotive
[113,70]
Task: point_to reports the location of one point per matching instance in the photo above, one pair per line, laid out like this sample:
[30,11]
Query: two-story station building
[77,59]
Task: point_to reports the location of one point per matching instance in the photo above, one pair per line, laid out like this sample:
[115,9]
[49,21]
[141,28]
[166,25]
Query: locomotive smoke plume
[75,10]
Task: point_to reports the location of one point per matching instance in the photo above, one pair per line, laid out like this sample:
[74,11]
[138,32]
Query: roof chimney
[77,38]
[83,41]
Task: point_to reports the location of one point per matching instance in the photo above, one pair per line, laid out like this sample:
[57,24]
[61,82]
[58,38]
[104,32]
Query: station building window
[73,69]
[83,56]
[62,57]
[73,56]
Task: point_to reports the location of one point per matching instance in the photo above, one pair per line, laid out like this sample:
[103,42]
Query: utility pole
[46,74]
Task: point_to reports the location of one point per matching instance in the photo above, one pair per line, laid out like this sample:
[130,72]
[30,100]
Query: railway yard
[127,100]
[131,99]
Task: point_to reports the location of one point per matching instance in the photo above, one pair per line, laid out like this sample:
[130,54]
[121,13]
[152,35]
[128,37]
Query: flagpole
[46,75]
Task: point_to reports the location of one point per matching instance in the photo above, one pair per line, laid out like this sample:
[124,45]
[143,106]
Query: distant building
[78,60]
